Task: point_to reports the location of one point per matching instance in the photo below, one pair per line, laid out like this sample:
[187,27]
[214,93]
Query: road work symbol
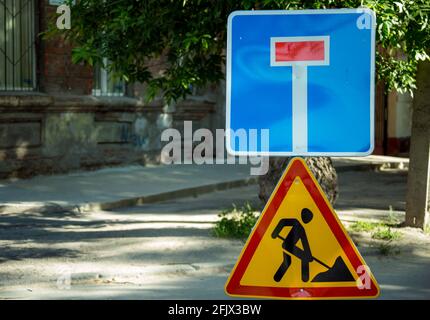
[299,248]
[297,234]
[290,247]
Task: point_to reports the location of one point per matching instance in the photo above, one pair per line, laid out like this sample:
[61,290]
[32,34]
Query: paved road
[167,251]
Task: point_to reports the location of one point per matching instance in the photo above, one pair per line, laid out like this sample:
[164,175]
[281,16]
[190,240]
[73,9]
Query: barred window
[105,84]
[17,45]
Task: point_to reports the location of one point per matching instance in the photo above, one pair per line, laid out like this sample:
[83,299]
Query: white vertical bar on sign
[300,109]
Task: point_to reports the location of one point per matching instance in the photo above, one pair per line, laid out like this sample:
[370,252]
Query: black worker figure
[289,244]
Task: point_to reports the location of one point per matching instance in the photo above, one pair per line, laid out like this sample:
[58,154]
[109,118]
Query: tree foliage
[175,45]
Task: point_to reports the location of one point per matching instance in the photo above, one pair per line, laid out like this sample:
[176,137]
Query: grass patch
[236,222]
[360,226]
[380,231]
[365,226]
[385,233]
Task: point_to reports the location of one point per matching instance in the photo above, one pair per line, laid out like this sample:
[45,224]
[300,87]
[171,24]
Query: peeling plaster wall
[66,134]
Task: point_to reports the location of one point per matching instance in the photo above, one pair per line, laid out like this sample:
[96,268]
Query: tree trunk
[321,167]
[417,197]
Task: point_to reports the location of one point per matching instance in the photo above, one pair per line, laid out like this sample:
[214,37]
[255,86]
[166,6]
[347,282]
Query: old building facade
[56,116]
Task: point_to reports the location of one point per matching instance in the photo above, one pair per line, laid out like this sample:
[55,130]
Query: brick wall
[57,73]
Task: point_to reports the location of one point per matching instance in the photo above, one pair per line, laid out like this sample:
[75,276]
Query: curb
[180,193]
[128,202]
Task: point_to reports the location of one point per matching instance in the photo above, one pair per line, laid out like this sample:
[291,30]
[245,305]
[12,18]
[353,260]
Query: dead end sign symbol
[299,53]
[299,248]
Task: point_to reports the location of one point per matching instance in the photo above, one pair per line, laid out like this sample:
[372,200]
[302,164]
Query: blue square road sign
[307,76]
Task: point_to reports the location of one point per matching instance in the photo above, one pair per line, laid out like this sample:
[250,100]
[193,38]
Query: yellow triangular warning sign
[299,248]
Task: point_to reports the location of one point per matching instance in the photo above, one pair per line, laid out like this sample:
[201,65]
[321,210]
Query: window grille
[17,45]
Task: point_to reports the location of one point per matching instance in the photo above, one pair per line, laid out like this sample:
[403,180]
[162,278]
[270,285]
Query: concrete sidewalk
[118,187]
[133,185]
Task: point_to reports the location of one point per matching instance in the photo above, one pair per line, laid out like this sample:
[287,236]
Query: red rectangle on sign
[299,51]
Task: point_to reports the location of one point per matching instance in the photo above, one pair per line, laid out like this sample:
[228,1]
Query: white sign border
[292,12]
